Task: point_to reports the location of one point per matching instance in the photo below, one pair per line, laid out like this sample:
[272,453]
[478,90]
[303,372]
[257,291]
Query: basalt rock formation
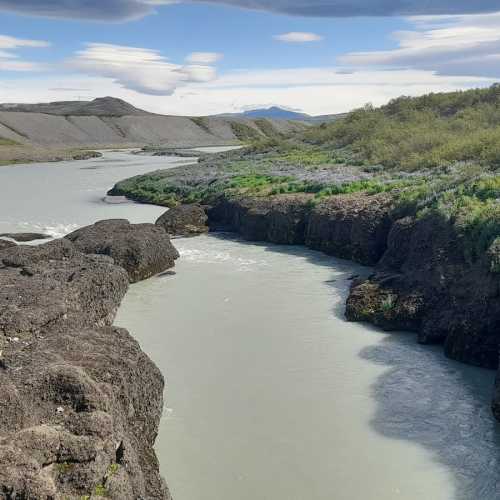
[184,220]
[426,283]
[351,227]
[275,219]
[80,403]
[143,250]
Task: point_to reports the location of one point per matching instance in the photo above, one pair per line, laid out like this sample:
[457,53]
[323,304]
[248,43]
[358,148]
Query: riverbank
[434,275]
[16,154]
[80,402]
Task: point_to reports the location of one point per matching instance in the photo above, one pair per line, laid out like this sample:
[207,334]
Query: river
[271,395]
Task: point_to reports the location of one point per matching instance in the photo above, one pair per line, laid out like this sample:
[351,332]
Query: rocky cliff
[80,403]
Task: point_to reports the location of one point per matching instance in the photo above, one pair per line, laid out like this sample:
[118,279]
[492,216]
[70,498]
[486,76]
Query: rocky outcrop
[143,250]
[53,286]
[79,413]
[80,403]
[353,226]
[6,244]
[280,219]
[426,283]
[184,220]
[25,237]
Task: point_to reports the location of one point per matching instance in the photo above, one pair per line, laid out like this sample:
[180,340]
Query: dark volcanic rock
[79,414]
[184,220]
[351,226]
[434,291]
[25,237]
[80,403]
[385,303]
[55,286]
[142,249]
[280,220]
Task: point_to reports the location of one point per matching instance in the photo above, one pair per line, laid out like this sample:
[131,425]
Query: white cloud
[9,59]
[298,37]
[142,70]
[204,57]
[315,90]
[452,45]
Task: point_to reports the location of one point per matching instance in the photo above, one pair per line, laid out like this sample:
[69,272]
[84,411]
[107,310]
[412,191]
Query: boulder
[143,250]
[53,286]
[184,220]
[79,414]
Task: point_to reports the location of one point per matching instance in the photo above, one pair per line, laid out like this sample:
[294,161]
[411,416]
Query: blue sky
[204,58]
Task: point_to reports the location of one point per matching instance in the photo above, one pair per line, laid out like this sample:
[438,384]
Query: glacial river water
[271,395]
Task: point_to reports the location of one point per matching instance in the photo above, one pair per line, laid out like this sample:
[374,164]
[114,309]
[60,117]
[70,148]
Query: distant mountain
[102,106]
[277,113]
[111,122]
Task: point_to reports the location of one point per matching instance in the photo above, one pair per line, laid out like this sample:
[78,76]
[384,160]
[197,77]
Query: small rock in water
[184,220]
[166,274]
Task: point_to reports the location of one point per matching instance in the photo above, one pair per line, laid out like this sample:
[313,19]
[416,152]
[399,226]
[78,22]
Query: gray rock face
[143,250]
[351,227]
[53,286]
[79,413]
[80,403]
[184,220]
[280,220]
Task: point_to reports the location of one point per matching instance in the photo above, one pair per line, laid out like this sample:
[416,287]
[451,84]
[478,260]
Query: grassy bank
[436,153]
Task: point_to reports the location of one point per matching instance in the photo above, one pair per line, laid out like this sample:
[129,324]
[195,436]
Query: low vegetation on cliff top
[435,154]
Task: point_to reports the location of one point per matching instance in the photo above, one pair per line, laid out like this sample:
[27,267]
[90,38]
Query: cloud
[142,70]
[298,37]
[9,59]
[203,57]
[315,90]
[97,10]
[123,10]
[457,45]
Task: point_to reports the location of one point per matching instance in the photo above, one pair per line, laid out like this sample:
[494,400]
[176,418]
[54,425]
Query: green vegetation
[436,155]
[244,132]
[100,491]
[267,128]
[112,470]
[416,133]
[202,122]
[65,467]
[8,142]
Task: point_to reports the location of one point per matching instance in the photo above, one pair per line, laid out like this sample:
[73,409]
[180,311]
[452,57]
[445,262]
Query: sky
[220,56]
